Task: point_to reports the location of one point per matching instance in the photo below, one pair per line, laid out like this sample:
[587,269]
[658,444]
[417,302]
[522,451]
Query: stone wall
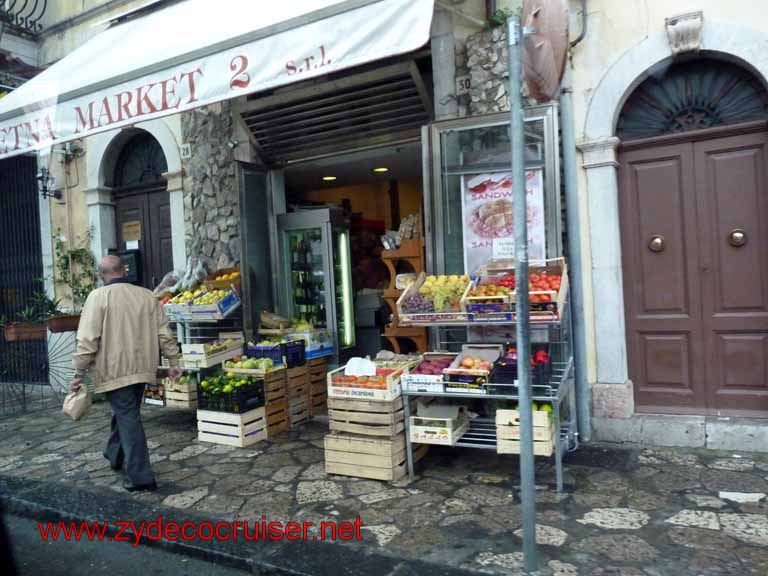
[211,201]
[483,57]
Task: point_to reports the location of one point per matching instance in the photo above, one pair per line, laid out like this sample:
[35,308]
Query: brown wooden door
[696,306]
[150,211]
[732,197]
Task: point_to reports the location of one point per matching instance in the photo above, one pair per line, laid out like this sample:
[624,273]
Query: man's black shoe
[131,487]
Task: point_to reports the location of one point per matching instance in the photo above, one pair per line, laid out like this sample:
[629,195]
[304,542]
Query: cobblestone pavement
[626,512]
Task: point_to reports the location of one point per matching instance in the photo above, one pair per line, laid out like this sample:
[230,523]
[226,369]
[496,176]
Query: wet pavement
[625,511]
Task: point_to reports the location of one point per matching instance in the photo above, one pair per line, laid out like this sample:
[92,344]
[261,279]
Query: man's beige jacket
[122,329]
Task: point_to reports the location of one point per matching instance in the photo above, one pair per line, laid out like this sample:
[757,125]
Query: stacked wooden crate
[276,402]
[318,385]
[239,430]
[508,432]
[297,384]
[367,438]
[181,393]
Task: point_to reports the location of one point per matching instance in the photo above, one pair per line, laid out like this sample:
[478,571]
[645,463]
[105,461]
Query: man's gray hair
[111,265]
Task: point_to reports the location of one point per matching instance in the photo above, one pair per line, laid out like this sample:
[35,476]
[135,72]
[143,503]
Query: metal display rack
[559,391]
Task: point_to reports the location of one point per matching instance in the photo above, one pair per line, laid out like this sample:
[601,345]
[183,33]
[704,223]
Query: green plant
[75,266]
[30,315]
[45,306]
[499,18]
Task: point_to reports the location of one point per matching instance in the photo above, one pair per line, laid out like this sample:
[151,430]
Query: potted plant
[28,327]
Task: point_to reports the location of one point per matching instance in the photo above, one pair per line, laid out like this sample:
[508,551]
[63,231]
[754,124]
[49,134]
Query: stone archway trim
[101,210]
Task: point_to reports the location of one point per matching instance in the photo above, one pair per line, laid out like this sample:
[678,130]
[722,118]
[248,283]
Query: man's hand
[75,384]
[175,373]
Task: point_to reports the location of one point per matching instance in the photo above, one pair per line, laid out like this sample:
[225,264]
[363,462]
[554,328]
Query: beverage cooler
[316,267]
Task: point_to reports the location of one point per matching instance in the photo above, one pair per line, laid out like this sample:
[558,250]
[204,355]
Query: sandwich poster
[488,215]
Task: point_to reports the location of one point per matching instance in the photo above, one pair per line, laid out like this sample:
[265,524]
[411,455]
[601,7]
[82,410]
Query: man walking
[122,329]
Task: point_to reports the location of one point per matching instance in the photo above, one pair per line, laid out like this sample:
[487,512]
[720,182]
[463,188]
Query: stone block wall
[483,57]
[211,201]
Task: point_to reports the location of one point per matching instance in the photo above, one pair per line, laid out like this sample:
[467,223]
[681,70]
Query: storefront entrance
[143,207]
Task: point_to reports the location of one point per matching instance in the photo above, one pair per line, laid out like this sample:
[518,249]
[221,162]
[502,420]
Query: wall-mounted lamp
[46,181]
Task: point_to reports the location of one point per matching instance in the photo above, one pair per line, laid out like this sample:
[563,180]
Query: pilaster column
[101,217]
[599,162]
[175,182]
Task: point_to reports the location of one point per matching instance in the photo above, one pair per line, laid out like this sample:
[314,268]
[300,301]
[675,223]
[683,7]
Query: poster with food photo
[488,215]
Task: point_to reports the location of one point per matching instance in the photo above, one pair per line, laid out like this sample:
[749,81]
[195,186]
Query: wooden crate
[277,417]
[298,387]
[232,429]
[318,404]
[314,362]
[274,391]
[298,412]
[366,417]
[296,372]
[366,457]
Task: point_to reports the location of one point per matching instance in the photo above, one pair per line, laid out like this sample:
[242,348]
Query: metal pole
[527,469]
[576,265]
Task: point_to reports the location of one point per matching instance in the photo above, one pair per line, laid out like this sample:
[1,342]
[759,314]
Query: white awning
[197,52]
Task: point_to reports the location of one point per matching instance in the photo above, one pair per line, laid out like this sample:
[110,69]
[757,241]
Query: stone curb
[50,501]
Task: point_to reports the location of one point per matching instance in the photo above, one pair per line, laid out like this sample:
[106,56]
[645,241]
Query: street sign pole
[527,470]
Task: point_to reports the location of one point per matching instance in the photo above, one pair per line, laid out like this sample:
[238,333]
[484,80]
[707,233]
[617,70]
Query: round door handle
[657,243]
[737,238]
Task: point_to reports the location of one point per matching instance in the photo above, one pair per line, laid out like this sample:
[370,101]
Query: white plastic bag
[77,403]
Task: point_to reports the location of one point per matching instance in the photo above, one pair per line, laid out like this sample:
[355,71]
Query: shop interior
[374,191]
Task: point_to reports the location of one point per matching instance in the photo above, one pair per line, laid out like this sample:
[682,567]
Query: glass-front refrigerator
[316,269]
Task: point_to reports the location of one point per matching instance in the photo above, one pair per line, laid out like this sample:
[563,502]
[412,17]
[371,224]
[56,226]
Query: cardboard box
[425,382]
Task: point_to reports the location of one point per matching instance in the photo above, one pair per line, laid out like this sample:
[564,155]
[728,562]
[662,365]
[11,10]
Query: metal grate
[384,105]
[25,367]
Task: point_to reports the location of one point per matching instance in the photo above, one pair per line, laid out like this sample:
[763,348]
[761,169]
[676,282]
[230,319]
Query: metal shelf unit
[559,391]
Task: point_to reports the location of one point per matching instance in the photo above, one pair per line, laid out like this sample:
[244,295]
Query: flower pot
[24,332]
[63,323]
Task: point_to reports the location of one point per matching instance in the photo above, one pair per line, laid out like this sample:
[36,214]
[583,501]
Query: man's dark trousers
[128,443]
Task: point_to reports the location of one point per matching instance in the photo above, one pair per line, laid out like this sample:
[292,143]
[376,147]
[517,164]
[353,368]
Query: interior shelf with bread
[407,259]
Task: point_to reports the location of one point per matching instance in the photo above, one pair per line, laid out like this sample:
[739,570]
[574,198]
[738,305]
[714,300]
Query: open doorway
[374,191]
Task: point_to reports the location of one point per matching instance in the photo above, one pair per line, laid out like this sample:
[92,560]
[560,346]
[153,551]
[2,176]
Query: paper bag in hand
[76,403]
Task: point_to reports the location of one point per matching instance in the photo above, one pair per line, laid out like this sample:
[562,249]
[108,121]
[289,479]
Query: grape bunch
[418,304]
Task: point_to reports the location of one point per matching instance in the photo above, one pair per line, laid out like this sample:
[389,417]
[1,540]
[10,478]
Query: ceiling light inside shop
[329,178]
[381,170]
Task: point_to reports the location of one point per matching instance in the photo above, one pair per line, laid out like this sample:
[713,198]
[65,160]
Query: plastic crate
[505,371]
[291,354]
[243,399]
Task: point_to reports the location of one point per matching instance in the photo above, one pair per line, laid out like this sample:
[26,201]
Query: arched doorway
[142,206]
[693,203]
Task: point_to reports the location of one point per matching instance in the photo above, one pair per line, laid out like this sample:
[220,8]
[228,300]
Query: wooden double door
[694,229]
[143,218]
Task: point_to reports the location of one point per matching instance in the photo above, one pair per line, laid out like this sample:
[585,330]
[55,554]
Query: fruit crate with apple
[259,367]
[207,355]
[427,375]
[369,418]
[213,305]
[471,369]
[488,295]
[508,431]
[223,279]
[383,386]
[230,393]
[433,299]
[239,430]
